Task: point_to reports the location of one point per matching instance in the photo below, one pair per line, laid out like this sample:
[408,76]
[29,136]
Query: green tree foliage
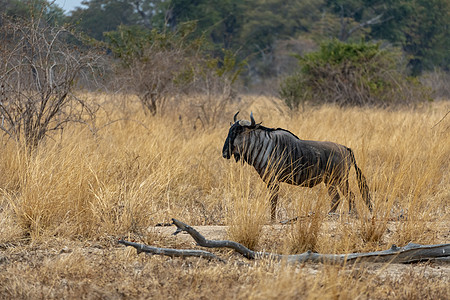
[249,28]
[267,22]
[420,27]
[349,74]
[102,16]
[427,35]
[219,20]
[27,9]
[355,18]
[254,29]
[271,20]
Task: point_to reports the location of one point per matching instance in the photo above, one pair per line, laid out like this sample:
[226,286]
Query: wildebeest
[280,156]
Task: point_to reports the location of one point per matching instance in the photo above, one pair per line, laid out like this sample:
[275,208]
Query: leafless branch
[373,21]
[409,253]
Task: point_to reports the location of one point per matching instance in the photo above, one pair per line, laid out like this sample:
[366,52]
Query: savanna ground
[64,206]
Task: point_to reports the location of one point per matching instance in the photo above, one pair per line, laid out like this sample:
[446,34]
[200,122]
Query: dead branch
[373,21]
[203,242]
[407,254]
[170,252]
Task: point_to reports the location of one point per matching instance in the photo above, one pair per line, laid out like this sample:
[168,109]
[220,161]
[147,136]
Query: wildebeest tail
[362,182]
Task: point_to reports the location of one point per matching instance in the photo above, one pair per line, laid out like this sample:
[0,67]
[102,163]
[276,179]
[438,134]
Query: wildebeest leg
[335,199]
[349,195]
[273,187]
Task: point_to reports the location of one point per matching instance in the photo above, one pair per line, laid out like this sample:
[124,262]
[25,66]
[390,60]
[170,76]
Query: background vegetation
[352,74]
[265,33]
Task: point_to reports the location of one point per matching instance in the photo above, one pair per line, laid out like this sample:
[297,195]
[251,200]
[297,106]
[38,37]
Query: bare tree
[38,71]
[158,67]
[152,79]
[149,64]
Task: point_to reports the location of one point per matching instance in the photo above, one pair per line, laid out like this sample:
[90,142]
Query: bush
[38,72]
[159,66]
[437,80]
[351,74]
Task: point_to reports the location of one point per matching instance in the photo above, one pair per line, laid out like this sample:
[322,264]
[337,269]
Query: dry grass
[62,207]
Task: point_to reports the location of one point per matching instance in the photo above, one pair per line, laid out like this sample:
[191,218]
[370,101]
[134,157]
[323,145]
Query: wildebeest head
[235,139]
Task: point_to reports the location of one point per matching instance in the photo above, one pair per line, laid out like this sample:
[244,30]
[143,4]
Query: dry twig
[407,254]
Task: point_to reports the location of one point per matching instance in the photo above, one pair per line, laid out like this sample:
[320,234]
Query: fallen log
[407,254]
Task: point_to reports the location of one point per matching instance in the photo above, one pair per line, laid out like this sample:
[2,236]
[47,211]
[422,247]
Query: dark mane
[267,129]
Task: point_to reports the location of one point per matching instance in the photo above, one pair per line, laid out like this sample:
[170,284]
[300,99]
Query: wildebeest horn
[252,120]
[234,118]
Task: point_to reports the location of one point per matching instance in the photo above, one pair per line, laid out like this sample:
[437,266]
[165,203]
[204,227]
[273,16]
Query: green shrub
[351,74]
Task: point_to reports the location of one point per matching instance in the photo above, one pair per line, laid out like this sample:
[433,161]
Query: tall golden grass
[139,171]
[128,171]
